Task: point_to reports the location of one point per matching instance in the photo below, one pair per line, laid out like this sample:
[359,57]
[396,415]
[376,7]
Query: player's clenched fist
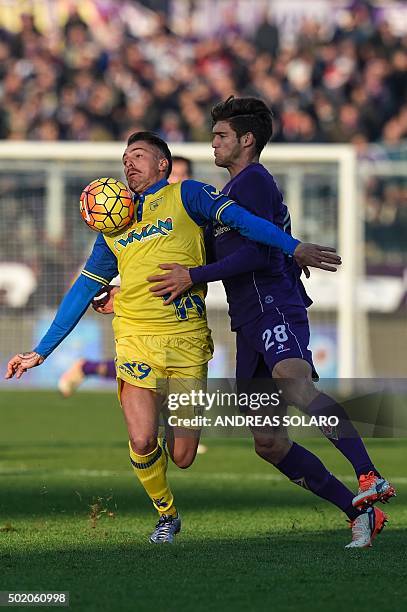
[103,302]
[22,362]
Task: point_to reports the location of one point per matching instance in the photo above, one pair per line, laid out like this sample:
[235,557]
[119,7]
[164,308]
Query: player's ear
[163,165]
[248,139]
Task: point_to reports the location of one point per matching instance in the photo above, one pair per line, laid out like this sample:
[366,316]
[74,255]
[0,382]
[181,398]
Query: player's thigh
[187,370]
[141,413]
[183,425]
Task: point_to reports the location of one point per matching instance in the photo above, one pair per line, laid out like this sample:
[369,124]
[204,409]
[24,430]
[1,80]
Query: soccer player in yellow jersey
[81,369]
[153,342]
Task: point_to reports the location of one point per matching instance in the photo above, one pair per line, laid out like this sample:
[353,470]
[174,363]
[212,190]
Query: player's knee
[294,378]
[272,449]
[143,445]
[184,458]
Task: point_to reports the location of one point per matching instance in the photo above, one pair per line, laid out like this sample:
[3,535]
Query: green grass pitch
[73,518]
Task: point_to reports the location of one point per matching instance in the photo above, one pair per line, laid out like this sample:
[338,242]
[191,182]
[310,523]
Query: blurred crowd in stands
[102,73]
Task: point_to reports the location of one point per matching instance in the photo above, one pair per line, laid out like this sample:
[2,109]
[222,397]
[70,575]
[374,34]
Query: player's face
[227,148]
[143,166]
[179,172]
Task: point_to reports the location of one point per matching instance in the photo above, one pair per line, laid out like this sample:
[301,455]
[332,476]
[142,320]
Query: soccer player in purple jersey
[267,306]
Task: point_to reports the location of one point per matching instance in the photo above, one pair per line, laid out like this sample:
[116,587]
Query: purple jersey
[273,278]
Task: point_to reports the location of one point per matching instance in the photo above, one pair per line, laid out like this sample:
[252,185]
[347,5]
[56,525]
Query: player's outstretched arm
[204,202]
[71,310]
[260,230]
[99,270]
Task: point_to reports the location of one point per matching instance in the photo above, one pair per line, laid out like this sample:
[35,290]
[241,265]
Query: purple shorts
[278,334]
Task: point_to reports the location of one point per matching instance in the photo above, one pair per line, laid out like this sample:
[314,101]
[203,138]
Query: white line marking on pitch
[21,471]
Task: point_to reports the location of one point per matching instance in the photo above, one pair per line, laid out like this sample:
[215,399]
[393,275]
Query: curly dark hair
[246,115]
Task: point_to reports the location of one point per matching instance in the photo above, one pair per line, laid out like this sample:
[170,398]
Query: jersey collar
[152,189]
[138,198]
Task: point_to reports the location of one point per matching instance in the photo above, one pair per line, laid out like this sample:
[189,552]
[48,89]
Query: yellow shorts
[168,365]
[147,361]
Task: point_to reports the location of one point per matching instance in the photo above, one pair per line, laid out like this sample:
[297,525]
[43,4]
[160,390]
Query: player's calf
[272,448]
[183,448]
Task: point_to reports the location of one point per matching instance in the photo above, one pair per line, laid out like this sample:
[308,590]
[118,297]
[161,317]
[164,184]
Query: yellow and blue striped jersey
[163,232]
[167,228]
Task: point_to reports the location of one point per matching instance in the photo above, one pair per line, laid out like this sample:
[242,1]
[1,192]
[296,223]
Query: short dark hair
[185,160]
[155,140]
[246,115]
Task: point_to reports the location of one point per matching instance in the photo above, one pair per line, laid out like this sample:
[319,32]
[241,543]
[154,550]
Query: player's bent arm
[178,279]
[248,258]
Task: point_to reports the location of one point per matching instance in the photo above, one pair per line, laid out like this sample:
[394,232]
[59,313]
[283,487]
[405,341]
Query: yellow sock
[151,470]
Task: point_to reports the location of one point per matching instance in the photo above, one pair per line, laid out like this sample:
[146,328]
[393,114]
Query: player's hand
[103,301]
[22,362]
[306,271]
[316,256]
[174,282]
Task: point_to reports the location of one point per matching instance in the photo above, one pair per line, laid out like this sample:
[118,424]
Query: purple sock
[345,437]
[92,368]
[110,370]
[305,469]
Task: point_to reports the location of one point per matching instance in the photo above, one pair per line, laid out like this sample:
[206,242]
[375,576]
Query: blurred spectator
[182,169]
[267,37]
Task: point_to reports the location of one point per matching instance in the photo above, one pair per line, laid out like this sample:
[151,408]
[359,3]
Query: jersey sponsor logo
[282,349]
[220,229]
[154,205]
[147,232]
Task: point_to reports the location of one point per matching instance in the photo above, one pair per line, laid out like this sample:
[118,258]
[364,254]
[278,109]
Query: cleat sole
[366,502]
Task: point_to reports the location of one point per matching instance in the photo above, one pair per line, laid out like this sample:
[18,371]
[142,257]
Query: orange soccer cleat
[366,527]
[372,488]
